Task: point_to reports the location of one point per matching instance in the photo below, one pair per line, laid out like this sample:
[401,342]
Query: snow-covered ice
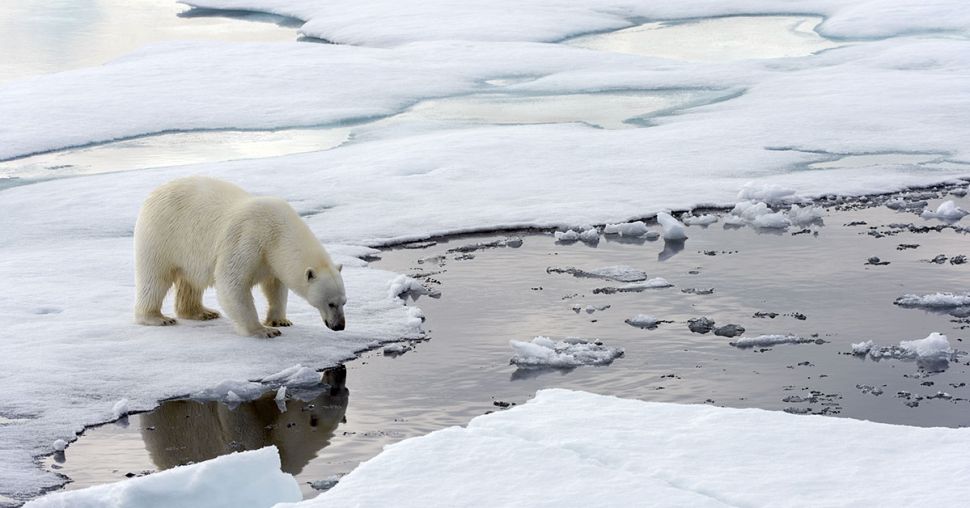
[635,287]
[631,229]
[947,211]
[120,408]
[643,321]
[699,220]
[566,448]
[770,340]
[934,300]
[673,229]
[935,346]
[543,352]
[250,479]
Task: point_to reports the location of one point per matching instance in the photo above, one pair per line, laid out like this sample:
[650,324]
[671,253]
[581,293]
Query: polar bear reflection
[184,431]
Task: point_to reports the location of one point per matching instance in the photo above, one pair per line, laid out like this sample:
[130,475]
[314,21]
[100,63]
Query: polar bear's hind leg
[148,307]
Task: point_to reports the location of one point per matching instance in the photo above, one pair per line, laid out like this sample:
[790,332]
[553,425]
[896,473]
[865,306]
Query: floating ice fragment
[566,353]
[699,220]
[632,229]
[673,229]
[296,375]
[621,273]
[635,287]
[803,216]
[862,348]
[776,220]
[770,340]
[771,193]
[934,301]
[120,408]
[590,236]
[404,285]
[935,345]
[59,445]
[947,211]
[396,349]
[642,321]
[566,236]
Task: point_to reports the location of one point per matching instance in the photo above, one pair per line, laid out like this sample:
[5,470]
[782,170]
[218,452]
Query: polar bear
[198,232]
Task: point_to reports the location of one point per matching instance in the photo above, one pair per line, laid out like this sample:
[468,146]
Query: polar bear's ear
[340,267]
[310,275]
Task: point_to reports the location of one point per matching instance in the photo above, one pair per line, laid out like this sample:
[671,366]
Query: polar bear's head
[325,291]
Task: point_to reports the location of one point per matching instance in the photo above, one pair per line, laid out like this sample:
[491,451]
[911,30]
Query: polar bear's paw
[267,333]
[205,315]
[158,320]
[278,322]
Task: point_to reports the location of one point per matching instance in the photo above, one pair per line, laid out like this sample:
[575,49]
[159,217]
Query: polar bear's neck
[294,249]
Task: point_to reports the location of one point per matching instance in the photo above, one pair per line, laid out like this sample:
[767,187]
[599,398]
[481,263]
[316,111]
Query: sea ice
[631,229]
[862,348]
[803,216]
[934,300]
[947,211]
[935,347]
[643,321]
[250,479]
[120,408]
[769,340]
[635,287]
[621,273]
[699,220]
[771,193]
[566,448]
[673,229]
[566,353]
[297,375]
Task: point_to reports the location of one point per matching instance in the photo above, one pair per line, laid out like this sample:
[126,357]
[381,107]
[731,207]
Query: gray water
[500,294]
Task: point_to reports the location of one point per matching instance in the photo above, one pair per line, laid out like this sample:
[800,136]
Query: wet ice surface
[715,39]
[56,35]
[770,282]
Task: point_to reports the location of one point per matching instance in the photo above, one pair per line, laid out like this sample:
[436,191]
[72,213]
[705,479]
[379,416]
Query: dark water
[499,294]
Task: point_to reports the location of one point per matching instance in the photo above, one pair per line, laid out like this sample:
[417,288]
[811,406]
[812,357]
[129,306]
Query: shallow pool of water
[817,283]
[715,39]
[43,36]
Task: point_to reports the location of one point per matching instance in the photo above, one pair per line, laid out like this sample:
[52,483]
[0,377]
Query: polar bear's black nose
[339,325]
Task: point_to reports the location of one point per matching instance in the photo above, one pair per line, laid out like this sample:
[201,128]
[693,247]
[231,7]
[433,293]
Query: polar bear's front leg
[236,298]
[276,294]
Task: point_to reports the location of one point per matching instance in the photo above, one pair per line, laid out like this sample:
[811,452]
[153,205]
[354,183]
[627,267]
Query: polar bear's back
[181,223]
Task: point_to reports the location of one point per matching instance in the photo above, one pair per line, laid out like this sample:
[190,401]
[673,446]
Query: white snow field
[70,357]
[566,448]
[250,479]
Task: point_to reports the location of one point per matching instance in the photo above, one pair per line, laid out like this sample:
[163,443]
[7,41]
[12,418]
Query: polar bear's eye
[333,306]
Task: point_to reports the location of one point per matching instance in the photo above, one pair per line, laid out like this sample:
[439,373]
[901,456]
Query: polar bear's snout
[335,322]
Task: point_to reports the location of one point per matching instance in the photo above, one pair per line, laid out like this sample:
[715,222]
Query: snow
[699,220]
[120,408]
[65,245]
[567,448]
[59,445]
[934,300]
[643,321]
[862,348]
[769,340]
[632,229]
[947,211]
[249,479]
[935,346]
[385,23]
[803,216]
[672,228]
[771,193]
[404,285]
[296,375]
[543,352]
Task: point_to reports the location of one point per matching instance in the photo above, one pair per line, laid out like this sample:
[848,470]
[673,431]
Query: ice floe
[566,448]
[770,340]
[673,229]
[947,211]
[250,479]
[934,300]
[634,229]
[643,321]
[935,346]
[635,287]
[543,352]
[621,273]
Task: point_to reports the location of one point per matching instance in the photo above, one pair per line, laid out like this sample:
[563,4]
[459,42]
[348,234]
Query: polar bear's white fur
[198,232]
